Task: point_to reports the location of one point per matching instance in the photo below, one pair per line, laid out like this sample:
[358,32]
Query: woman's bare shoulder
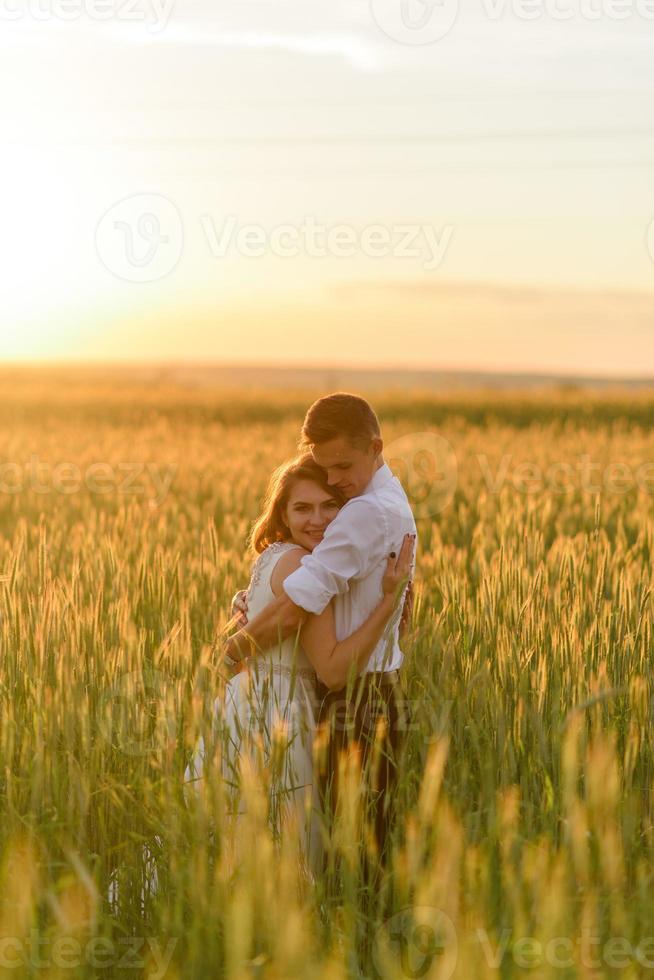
[288,562]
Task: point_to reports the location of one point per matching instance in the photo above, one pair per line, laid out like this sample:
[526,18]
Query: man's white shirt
[349,563]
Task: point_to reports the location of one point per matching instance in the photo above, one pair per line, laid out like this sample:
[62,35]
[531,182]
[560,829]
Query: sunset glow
[298,186]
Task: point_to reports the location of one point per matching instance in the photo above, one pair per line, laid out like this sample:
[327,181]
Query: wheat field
[525,836]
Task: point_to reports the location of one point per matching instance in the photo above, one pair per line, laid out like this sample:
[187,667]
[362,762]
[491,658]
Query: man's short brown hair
[340,415]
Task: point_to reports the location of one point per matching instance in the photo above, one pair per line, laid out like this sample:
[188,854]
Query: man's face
[348,467]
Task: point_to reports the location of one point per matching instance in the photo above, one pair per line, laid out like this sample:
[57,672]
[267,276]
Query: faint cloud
[359,53]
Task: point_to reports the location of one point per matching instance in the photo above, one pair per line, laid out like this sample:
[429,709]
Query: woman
[271,704]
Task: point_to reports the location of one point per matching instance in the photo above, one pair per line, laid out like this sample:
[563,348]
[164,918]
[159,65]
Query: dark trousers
[369,723]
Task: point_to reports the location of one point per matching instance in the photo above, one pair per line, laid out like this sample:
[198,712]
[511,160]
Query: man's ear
[377,446]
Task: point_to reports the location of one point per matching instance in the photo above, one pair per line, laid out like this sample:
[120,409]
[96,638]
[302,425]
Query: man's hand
[230,657]
[398,568]
[239,610]
[280,619]
[238,647]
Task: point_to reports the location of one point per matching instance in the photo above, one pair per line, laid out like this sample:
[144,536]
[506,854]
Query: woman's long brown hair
[270,526]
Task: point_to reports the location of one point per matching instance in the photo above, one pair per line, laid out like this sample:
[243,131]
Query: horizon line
[316,368]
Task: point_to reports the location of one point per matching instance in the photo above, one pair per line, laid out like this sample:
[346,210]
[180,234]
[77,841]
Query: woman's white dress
[269,714]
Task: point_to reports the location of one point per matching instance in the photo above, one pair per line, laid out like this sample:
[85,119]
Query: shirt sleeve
[354,543]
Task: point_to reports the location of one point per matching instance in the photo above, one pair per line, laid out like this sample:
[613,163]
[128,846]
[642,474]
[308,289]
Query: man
[347,566]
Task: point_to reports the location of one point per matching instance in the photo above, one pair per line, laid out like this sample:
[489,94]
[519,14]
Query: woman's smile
[309,511]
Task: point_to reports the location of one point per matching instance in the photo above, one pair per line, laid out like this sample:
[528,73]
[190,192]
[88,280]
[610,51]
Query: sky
[415,182]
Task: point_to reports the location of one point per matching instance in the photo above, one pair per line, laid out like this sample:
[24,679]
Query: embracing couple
[317,645]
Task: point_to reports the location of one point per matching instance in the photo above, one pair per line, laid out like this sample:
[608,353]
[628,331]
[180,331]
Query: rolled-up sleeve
[354,542]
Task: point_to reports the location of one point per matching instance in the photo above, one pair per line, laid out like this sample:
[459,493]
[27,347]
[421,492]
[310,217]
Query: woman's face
[308,512]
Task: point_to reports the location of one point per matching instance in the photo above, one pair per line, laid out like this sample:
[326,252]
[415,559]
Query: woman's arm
[332,660]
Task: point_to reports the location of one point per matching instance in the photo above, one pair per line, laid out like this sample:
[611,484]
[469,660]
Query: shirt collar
[381,477]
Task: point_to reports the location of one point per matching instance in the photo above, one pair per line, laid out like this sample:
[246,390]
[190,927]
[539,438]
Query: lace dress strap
[273,551]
